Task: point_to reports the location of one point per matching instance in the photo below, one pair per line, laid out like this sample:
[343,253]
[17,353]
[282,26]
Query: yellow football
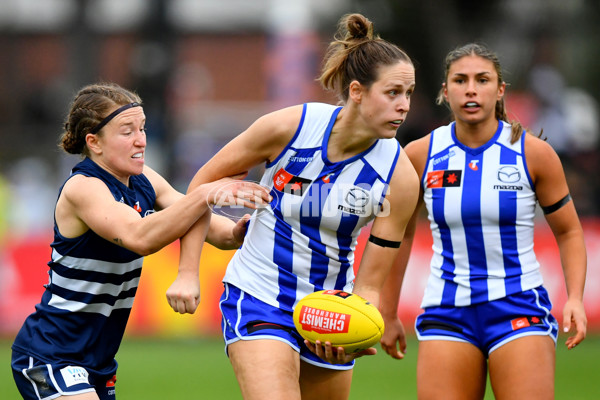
[341,318]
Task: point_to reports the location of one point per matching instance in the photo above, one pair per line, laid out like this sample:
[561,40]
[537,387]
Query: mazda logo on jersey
[357,197]
[509,174]
[290,184]
[444,178]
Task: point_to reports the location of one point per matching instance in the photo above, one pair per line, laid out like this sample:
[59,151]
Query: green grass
[198,369]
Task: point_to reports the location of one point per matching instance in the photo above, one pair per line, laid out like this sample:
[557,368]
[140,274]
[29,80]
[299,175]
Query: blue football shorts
[248,318]
[39,380]
[492,324]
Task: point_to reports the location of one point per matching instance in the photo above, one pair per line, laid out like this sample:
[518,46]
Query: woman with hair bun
[319,159]
[111,212]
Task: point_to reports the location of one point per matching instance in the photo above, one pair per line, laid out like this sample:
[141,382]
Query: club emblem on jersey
[444,178]
[509,174]
[137,207]
[291,184]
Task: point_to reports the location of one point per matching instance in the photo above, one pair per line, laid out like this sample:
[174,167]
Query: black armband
[383,242]
[557,205]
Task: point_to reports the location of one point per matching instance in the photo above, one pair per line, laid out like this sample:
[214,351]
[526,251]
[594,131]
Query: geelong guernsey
[481,205]
[92,283]
[305,240]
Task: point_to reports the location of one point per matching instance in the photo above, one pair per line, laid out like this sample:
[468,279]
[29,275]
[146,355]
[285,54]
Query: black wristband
[557,205]
[383,242]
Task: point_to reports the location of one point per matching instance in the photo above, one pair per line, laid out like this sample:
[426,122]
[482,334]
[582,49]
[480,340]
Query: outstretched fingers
[232,192]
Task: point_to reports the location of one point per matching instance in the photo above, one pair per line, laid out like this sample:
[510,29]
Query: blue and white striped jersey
[92,284]
[481,205]
[305,240]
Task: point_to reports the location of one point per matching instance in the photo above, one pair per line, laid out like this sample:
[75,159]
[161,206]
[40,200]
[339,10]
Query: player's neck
[476,135]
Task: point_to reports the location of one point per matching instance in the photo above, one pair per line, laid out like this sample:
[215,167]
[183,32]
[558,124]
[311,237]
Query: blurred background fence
[206,69]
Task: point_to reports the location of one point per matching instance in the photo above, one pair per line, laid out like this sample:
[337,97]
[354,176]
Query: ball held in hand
[341,318]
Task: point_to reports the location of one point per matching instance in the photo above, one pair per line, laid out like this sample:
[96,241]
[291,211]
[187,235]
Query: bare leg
[321,383]
[524,369]
[84,396]
[266,369]
[450,370]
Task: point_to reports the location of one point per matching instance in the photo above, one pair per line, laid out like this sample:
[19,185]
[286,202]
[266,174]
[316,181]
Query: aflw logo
[322,321]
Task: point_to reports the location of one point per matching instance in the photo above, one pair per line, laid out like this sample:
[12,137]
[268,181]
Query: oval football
[344,319]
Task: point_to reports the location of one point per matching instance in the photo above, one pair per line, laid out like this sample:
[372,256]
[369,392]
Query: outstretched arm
[86,203]
[261,142]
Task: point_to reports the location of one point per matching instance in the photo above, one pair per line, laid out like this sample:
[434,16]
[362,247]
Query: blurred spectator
[570,122]
[582,117]
[548,86]
[32,196]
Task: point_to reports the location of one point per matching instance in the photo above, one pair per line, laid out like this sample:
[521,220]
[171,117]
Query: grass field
[198,369]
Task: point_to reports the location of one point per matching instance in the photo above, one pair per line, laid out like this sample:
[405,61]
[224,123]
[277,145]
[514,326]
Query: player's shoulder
[538,150]
[418,146]
[540,156]
[417,151]
[284,116]
[535,143]
[80,188]
[277,125]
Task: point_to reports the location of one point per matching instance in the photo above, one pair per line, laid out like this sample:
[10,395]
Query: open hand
[337,355]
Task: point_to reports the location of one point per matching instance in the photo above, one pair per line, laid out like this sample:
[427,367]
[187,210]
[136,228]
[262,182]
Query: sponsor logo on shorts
[74,375]
[323,321]
[112,381]
[524,322]
[110,385]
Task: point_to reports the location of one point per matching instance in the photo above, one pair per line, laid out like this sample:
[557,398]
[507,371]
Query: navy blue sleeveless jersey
[92,284]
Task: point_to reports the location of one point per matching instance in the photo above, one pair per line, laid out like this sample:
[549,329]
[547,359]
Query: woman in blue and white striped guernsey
[331,170]
[484,303]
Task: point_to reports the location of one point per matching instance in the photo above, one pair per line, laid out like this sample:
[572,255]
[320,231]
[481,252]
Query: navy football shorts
[492,324]
[38,380]
[247,318]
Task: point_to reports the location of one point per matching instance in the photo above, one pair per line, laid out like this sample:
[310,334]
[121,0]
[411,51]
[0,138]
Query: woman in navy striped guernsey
[484,303]
[331,170]
[111,211]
